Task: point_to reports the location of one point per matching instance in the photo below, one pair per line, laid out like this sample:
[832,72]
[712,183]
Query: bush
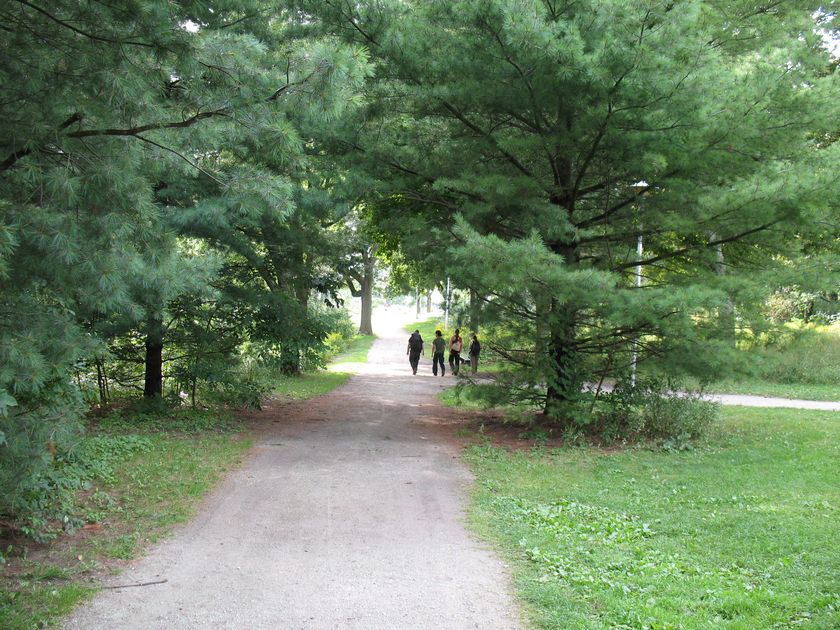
[652,411]
[46,505]
[32,433]
[341,331]
[809,354]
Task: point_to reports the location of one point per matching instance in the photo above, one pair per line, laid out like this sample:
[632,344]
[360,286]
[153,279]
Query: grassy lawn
[427,328]
[355,354]
[802,391]
[309,385]
[742,532]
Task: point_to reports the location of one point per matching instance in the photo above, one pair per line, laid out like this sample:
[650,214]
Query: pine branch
[136,131]
[602,130]
[81,32]
[14,157]
[474,127]
[183,157]
[349,17]
[684,250]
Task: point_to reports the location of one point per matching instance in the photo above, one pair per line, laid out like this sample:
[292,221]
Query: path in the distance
[348,514]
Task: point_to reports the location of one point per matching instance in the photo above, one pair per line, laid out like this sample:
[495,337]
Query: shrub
[652,410]
[808,354]
[32,433]
[46,504]
[341,331]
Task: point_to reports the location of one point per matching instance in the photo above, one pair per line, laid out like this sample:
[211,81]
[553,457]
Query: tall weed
[808,354]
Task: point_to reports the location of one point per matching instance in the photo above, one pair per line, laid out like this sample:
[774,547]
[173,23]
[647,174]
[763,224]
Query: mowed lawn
[741,532]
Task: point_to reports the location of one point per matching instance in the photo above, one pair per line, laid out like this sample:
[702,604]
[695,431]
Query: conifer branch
[15,156]
[243,19]
[81,32]
[183,157]
[471,125]
[528,85]
[684,250]
[599,218]
[353,23]
[602,130]
[134,131]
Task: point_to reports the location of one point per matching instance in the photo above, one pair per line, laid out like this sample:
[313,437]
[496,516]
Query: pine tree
[115,116]
[533,121]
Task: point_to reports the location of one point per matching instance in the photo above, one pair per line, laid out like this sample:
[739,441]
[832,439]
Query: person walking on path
[414,350]
[456,344]
[438,350]
[475,350]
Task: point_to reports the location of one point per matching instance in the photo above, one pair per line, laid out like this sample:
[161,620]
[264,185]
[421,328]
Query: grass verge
[141,479]
[309,385]
[144,473]
[355,354]
[801,391]
[741,532]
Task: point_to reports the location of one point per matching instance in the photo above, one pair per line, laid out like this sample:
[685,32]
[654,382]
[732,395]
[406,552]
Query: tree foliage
[513,132]
[152,221]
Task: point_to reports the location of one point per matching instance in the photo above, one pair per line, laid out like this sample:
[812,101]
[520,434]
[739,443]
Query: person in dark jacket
[475,350]
[414,350]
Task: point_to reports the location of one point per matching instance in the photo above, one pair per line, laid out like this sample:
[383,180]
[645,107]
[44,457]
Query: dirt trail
[348,514]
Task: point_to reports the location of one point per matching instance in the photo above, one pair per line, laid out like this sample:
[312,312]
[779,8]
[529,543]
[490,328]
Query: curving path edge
[348,513]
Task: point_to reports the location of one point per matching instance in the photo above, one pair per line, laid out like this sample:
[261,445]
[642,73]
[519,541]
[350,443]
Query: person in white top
[456,344]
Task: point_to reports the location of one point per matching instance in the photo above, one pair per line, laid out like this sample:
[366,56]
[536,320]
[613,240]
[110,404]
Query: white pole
[446,305]
[639,251]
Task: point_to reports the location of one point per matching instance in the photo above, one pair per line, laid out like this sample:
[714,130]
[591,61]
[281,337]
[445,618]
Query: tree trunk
[564,380]
[475,309]
[727,311]
[153,382]
[100,380]
[366,323]
[429,302]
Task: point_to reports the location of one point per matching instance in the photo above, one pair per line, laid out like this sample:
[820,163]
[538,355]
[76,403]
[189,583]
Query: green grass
[134,500]
[308,386]
[311,384]
[742,532]
[356,352]
[38,604]
[427,328]
[802,391]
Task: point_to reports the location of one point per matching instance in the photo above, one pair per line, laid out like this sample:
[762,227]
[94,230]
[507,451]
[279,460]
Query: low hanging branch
[79,31]
[136,131]
[685,250]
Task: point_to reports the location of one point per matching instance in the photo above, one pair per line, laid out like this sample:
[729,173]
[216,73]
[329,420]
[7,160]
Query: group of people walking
[439,347]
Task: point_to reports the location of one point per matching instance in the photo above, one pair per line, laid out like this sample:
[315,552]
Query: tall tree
[532,120]
[112,116]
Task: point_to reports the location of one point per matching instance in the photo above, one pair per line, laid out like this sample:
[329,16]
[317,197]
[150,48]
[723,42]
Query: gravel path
[347,514]
[764,401]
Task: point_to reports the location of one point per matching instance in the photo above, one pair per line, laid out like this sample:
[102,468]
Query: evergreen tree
[113,117]
[533,121]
